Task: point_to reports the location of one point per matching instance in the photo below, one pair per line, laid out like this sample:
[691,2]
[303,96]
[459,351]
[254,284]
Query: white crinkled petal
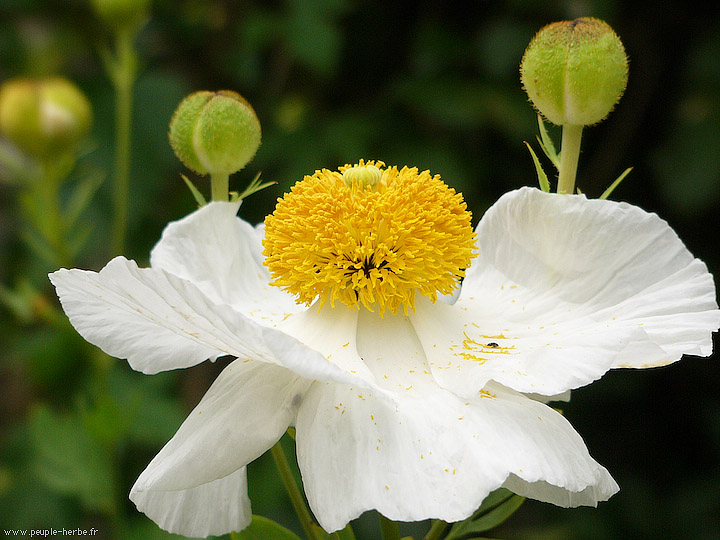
[245,411]
[429,453]
[570,287]
[436,455]
[466,349]
[222,255]
[332,332]
[211,509]
[159,322]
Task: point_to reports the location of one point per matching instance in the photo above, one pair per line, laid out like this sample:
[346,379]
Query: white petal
[215,508]
[222,255]
[245,411]
[428,453]
[595,283]
[466,349]
[435,456]
[332,332]
[159,322]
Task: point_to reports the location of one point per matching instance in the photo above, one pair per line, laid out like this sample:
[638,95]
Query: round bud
[215,132]
[575,71]
[122,14]
[44,117]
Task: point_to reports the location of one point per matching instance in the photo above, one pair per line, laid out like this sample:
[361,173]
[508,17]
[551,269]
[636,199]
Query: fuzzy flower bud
[215,132]
[575,71]
[44,117]
[122,14]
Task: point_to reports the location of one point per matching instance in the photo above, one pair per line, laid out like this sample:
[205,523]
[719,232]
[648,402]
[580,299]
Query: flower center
[369,235]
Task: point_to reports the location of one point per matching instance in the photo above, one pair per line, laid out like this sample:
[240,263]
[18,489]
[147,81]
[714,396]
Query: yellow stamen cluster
[369,235]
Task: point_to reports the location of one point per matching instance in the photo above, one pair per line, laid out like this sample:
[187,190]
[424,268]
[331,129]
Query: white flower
[416,408]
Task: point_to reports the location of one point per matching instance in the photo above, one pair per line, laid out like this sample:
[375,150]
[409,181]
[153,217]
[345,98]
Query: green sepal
[495,509]
[542,177]
[547,145]
[262,528]
[615,184]
[253,187]
[196,193]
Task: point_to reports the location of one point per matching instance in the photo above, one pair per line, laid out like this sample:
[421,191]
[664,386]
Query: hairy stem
[569,155]
[219,186]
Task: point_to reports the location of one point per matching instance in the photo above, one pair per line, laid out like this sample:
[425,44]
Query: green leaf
[542,177]
[82,197]
[262,528]
[547,145]
[69,461]
[18,301]
[345,534]
[495,509]
[39,246]
[195,191]
[615,184]
[78,241]
[150,416]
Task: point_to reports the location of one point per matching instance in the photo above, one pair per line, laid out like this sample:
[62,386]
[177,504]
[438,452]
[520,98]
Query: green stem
[390,529]
[438,527]
[569,155]
[296,497]
[219,186]
[53,225]
[123,79]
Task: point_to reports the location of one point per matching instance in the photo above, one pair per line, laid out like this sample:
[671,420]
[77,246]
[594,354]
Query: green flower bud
[122,14]
[44,117]
[215,132]
[575,71]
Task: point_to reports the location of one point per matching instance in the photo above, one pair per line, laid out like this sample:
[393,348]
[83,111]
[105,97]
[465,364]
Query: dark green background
[432,84]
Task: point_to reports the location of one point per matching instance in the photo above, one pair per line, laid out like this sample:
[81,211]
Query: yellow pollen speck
[369,236]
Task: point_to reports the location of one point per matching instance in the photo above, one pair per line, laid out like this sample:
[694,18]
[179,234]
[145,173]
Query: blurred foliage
[432,84]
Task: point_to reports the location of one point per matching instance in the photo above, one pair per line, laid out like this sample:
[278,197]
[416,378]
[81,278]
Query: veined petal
[466,349]
[429,453]
[222,255]
[245,411]
[332,332]
[159,322]
[435,455]
[570,287]
[211,509]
